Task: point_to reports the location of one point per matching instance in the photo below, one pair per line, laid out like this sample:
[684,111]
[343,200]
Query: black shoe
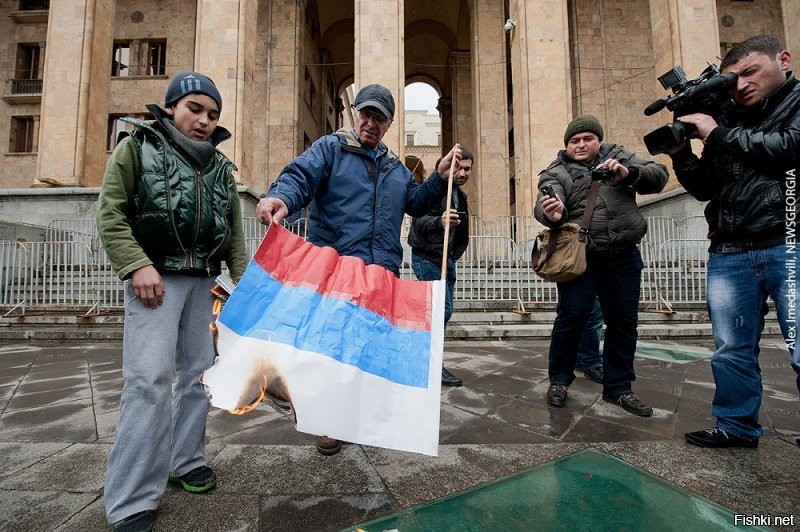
[715,437]
[138,522]
[594,374]
[327,446]
[197,480]
[557,394]
[448,379]
[631,403]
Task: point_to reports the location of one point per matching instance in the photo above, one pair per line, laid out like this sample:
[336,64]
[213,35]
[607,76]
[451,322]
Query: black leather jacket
[743,169]
[426,236]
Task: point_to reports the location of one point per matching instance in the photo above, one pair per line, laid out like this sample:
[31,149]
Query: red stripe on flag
[294,262]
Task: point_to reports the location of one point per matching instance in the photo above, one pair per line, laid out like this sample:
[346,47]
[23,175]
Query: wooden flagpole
[446,243]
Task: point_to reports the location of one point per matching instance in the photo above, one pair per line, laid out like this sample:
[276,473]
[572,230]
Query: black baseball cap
[376,96]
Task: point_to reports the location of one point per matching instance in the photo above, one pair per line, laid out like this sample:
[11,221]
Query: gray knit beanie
[184,83]
[581,124]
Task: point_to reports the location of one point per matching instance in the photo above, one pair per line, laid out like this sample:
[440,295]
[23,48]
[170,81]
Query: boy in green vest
[168,215]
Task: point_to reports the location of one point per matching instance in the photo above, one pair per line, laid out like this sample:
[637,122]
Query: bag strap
[587,214]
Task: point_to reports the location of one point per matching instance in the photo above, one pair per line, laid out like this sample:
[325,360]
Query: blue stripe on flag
[263,308]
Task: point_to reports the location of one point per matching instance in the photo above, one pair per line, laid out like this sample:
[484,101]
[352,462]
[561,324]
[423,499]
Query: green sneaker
[198,480]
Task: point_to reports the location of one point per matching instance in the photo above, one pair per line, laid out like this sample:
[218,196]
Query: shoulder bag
[559,254]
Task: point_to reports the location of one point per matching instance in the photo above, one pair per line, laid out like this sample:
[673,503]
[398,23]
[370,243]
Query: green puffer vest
[182,215]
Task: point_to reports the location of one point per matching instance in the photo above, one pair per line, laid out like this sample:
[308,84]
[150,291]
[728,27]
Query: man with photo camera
[613,262]
[748,162]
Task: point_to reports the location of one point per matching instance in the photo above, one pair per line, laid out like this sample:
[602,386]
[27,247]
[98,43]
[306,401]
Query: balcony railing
[34,5]
[22,91]
[26,86]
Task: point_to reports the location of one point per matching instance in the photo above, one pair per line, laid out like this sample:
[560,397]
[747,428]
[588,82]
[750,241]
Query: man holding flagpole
[358,191]
[427,240]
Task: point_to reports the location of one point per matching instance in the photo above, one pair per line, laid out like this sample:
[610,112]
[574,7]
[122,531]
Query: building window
[117,126]
[121,59]
[156,58]
[21,135]
[310,91]
[139,58]
[409,139]
[28,58]
[27,78]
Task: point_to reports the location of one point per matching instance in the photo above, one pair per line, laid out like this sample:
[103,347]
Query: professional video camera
[708,94]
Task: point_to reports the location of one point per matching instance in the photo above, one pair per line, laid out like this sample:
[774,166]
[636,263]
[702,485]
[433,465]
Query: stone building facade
[510,75]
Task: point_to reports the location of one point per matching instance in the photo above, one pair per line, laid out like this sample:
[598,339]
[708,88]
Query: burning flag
[356,351]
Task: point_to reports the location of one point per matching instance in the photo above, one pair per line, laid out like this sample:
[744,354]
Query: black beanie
[184,83]
[581,124]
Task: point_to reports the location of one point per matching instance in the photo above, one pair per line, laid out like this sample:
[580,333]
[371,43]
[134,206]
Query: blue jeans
[425,270]
[613,276]
[738,286]
[589,355]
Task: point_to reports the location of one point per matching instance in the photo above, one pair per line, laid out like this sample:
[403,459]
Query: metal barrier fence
[48,275]
[70,268]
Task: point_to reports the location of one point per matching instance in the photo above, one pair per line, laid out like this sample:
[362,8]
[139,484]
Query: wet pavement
[58,408]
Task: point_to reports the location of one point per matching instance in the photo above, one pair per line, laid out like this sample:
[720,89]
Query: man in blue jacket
[358,191]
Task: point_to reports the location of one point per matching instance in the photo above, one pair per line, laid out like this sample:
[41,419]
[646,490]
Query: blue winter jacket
[357,202]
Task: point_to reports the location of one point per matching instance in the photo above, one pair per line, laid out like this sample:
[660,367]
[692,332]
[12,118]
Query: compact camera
[602,174]
[547,190]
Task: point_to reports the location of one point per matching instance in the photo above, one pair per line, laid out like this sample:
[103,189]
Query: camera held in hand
[708,94]
[602,174]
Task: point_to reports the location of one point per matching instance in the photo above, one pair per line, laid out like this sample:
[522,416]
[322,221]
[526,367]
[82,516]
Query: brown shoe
[327,446]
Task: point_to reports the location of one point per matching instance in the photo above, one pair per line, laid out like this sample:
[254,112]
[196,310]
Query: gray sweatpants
[161,426]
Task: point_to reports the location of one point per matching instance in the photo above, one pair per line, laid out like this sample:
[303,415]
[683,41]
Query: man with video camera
[748,160]
[613,262]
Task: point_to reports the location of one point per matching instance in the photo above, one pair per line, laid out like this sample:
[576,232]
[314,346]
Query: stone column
[445,108]
[463,108]
[542,91]
[685,33]
[226,29]
[282,141]
[490,108]
[380,57]
[74,109]
[791,23]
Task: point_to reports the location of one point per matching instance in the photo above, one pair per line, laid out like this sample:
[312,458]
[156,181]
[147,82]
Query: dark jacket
[616,220]
[357,201]
[159,206]
[426,236]
[743,169]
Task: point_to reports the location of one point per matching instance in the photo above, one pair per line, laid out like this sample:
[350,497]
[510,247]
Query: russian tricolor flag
[358,350]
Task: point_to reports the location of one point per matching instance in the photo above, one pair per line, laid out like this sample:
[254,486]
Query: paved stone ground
[58,407]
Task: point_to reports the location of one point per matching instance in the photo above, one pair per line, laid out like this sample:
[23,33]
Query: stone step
[464,326]
[547,316]
[647,331]
[539,331]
